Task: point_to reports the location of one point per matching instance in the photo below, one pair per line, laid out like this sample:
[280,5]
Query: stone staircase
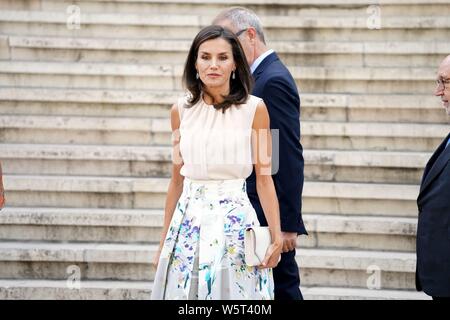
[84,138]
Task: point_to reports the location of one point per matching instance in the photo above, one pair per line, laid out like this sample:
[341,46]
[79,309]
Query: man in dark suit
[275,85]
[433,229]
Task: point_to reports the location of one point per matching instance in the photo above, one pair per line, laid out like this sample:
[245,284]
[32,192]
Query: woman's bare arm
[176,181]
[262,156]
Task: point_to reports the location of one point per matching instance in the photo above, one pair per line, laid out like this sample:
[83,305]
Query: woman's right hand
[2,198]
[156,257]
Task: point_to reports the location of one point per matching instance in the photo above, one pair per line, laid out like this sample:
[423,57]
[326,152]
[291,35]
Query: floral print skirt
[203,253]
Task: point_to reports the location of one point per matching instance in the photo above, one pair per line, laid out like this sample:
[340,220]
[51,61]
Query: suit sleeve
[283,104]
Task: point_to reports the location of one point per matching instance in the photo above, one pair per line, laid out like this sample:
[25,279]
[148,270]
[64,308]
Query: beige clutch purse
[256,242]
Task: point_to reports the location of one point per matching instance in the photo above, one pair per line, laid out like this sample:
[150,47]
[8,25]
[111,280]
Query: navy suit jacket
[433,229]
[275,85]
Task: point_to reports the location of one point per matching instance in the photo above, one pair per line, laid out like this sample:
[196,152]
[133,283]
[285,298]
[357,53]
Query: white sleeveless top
[216,145]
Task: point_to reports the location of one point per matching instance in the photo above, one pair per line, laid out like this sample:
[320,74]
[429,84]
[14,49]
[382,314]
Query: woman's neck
[214,96]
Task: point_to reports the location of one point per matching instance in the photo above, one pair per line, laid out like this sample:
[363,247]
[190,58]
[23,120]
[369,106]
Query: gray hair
[242,18]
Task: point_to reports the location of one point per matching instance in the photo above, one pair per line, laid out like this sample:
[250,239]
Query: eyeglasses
[442,82]
[237,34]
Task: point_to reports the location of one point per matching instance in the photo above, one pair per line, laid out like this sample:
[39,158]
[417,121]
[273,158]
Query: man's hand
[289,241]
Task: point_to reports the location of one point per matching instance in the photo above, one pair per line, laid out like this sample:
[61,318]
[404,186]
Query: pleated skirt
[203,253]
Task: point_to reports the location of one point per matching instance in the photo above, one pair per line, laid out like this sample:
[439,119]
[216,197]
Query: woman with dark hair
[219,132]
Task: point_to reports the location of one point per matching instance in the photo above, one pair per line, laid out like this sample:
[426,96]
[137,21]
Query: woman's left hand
[273,254]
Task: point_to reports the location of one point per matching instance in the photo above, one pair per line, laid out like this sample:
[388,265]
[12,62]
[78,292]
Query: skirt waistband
[218,187]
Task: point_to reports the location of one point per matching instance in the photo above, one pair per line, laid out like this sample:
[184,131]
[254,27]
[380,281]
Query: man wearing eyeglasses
[433,229]
[2,191]
[275,85]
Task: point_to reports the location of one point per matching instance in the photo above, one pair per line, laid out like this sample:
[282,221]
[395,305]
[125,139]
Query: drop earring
[233,75]
[197,76]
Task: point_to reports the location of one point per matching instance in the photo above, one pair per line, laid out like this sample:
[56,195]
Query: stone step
[360,199]
[144,131]
[372,136]
[365,166]
[345,293]
[168,77]
[175,26]
[77,191]
[100,160]
[85,130]
[76,252]
[146,103]
[359,232]
[286,47]
[171,70]
[85,261]
[82,217]
[272,7]
[29,289]
[319,53]
[93,261]
[143,161]
[323,100]
[119,192]
[352,268]
[138,226]
[81,225]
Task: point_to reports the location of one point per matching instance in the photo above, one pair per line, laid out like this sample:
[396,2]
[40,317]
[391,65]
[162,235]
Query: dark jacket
[433,229]
[275,85]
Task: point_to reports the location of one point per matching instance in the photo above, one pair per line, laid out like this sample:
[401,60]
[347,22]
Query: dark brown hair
[240,87]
